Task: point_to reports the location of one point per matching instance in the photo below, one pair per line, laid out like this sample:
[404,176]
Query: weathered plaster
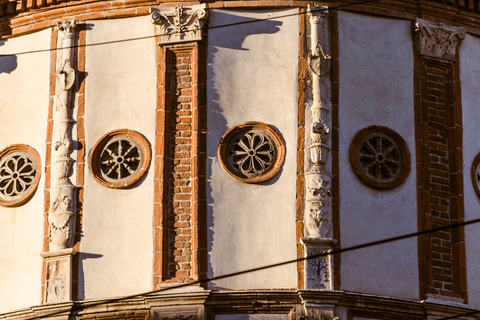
[252,76]
[117,243]
[376,88]
[469,75]
[24,90]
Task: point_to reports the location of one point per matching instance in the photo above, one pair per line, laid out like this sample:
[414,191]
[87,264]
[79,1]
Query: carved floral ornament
[437,39]
[179,24]
[19,174]
[380,157]
[120,158]
[252,152]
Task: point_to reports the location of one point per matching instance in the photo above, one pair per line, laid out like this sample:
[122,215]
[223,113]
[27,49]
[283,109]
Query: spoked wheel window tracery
[120,158]
[252,152]
[19,174]
[380,157]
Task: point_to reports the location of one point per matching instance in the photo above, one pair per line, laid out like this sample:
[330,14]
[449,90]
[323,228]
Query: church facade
[228,160]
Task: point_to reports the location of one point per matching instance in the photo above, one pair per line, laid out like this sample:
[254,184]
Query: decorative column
[318,209]
[58,282]
[438,116]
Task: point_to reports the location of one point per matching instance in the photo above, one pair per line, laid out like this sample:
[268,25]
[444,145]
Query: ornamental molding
[179,24]
[437,39]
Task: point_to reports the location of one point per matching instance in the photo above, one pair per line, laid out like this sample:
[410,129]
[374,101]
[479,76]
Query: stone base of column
[318,271]
[58,275]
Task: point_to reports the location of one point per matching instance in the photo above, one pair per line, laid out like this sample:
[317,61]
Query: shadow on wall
[237,29]
[8,62]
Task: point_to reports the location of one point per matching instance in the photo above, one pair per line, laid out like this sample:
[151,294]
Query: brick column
[439,161]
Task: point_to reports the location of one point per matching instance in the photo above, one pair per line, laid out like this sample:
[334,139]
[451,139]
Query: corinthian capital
[179,24]
[437,39]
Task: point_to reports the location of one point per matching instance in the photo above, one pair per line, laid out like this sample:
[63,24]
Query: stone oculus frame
[32,161]
[380,157]
[137,153]
[439,158]
[258,137]
[475,171]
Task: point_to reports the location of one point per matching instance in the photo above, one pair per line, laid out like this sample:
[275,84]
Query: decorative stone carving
[19,174]
[120,158]
[475,172]
[180,312]
[380,157]
[318,213]
[437,39]
[252,152]
[58,285]
[62,190]
[179,24]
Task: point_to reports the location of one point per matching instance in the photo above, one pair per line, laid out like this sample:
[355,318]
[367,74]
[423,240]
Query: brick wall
[440,179]
[179,85]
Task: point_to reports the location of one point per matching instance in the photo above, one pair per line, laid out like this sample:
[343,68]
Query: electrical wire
[233,274]
[207,28]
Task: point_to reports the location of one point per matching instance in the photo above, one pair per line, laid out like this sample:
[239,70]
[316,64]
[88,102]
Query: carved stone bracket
[179,24]
[437,39]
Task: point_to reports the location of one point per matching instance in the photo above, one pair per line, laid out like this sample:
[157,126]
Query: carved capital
[67,27]
[437,39]
[179,24]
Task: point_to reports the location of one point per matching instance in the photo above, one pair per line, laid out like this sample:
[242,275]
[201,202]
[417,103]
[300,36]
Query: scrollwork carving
[179,24]
[437,39]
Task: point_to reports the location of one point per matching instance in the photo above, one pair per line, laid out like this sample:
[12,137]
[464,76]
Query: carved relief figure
[319,219]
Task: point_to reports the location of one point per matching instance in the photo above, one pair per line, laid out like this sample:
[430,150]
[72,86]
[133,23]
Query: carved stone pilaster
[179,24]
[437,39]
[318,213]
[317,307]
[62,190]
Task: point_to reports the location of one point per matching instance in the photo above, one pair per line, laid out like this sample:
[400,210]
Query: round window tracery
[380,157]
[252,152]
[120,158]
[476,174]
[19,174]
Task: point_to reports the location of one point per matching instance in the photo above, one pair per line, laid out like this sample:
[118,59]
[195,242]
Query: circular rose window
[252,152]
[380,157]
[19,174]
[120,158]
[476,174]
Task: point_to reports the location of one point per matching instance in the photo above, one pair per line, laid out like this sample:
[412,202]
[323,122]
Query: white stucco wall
[120,91]
[376,88]
[24,90]
[469,77]
[252,76]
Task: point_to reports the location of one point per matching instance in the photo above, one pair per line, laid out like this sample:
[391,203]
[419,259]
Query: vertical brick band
[440,178]
[180,229]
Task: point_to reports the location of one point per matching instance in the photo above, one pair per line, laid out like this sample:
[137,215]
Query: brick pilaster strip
[48,152]
[180,199]
[80,88]
[302,72]
[335,147]
[439,160]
